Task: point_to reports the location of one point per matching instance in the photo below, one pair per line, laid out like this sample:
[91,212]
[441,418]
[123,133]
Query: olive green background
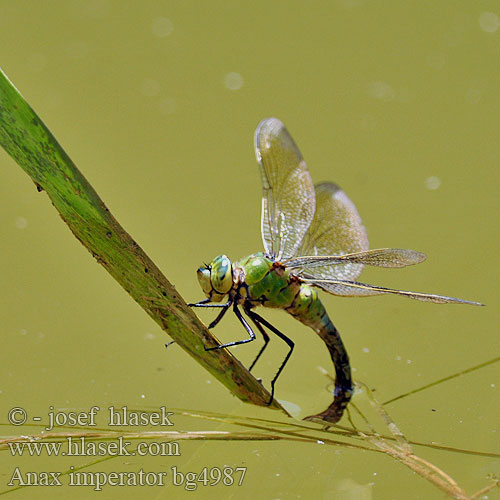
[157,102]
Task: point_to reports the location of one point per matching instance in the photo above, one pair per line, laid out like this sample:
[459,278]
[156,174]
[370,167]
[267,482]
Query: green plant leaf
[30,143]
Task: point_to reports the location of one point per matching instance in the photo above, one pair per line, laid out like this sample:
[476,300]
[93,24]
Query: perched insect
[313,237]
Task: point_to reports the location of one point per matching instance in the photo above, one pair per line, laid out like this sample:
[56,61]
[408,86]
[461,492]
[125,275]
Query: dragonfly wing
[379,257]
[356,289]
[288,200]
[336,229]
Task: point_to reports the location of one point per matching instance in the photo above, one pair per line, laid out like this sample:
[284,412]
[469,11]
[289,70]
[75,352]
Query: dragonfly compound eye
[204,279]
[222,274]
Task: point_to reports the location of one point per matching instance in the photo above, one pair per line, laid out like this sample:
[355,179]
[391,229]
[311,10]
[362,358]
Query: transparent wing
[355,289]
[335,230]
[380,257]
[287,190]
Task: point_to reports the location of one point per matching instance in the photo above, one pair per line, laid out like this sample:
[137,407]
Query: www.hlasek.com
[78,446]
[87,447]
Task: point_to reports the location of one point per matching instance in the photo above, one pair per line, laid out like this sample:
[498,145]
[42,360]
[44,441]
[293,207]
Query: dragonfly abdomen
[308,309]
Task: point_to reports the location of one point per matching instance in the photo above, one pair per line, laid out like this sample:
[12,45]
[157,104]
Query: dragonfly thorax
[216,278]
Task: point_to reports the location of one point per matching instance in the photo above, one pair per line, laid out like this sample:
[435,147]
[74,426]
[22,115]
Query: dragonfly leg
[244,323]
[266,340]
[259,319]
[206,303]
[221,314]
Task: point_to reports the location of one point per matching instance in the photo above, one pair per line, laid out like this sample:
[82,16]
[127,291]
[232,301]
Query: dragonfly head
[216,278]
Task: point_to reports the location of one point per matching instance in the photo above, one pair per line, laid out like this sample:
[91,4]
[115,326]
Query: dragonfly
[314,239]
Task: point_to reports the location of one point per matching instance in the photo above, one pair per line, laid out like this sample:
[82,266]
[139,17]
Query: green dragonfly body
[313,238]
[264,282]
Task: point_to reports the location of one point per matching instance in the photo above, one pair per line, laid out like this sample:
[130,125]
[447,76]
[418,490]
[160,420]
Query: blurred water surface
[157,102]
